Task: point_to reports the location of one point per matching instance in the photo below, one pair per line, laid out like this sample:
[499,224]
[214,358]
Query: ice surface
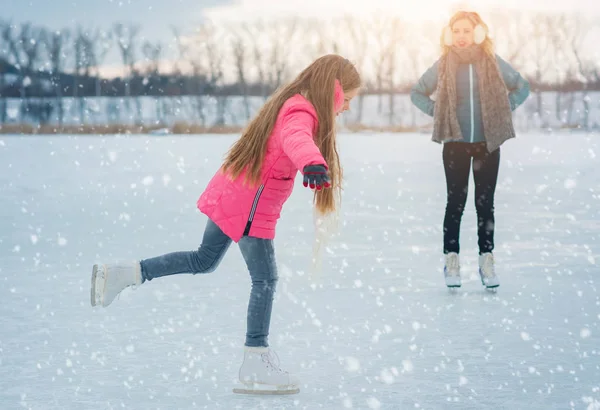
[379,331]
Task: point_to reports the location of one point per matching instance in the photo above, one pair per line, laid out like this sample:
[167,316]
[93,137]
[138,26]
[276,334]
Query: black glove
[316,176]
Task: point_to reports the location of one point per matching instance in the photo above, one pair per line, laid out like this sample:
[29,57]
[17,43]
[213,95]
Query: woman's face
[462,33]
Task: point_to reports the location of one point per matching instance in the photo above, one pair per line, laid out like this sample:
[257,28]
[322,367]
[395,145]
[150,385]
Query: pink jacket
[238,208]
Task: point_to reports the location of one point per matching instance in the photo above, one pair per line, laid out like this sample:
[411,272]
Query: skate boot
[260,374]
[487,271]
[109,280]
[452,270]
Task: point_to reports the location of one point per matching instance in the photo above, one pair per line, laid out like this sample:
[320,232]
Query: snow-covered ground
[378,331]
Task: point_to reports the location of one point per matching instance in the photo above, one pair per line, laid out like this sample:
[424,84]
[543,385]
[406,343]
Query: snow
[378,330]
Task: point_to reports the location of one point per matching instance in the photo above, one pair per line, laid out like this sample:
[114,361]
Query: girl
[293,131]
[472,115]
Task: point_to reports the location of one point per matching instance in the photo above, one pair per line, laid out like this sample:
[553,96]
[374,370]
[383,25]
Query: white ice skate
[109,280]
[260,374]
[489,279]
[452,270]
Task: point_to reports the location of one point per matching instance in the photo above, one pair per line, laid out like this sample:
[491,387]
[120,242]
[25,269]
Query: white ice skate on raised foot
[109,280]
[489,279]
[452,270]
[260,374]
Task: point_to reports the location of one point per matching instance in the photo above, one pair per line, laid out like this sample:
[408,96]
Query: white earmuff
[448,36]
[479,34]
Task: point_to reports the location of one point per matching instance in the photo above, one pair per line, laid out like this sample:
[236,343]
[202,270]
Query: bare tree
[240,56]
[183,46]
[188,50]
[215,63]
[387,35]
[206,57]
[358,34]
[98,45]
[421,52]
[319,37]
[183,49]
[514,41]
[392,50]
[541,25]
[281,33]
[152,52]
[57,42]
[82,68]
[256,33]
[4,61]
[511,35]
[558,37]
[379,29]
[587,72]
[126,37]
[24,47]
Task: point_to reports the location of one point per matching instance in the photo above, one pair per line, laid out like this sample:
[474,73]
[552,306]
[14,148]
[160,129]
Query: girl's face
[462,33]
[348,96]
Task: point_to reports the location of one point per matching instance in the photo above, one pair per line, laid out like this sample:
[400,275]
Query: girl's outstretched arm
[297,138]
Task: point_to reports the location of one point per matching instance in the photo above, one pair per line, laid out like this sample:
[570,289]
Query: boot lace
[271,359]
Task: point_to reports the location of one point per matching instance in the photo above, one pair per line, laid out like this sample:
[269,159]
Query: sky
[156,17]
[408,9]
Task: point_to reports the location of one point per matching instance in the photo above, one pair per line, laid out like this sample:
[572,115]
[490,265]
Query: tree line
[218,60]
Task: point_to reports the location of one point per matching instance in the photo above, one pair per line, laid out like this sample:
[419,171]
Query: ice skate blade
[453,283]
[266,390]
[493,286]
[93,287]
[98,281]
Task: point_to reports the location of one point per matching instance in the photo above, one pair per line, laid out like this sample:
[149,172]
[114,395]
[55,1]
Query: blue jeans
[259,255]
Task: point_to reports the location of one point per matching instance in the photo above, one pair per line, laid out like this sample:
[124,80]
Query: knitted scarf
[495,107]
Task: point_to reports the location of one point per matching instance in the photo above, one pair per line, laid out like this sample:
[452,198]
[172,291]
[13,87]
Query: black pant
[457,164]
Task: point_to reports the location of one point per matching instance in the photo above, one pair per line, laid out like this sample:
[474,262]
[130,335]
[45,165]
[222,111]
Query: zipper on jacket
[253,209]
[471,95]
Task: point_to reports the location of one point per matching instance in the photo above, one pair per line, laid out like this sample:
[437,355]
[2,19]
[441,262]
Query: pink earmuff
[338,96]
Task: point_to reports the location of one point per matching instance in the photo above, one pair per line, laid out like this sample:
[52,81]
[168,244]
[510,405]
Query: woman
[476,92]
[294,131]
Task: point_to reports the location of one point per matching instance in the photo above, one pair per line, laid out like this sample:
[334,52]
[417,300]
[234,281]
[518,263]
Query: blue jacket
[468,105]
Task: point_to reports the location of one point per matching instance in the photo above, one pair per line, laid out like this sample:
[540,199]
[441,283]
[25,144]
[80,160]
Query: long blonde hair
[475,19]
[317,83]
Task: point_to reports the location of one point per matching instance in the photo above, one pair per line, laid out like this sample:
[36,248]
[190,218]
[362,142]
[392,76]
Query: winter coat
[467,95]
[239,208]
